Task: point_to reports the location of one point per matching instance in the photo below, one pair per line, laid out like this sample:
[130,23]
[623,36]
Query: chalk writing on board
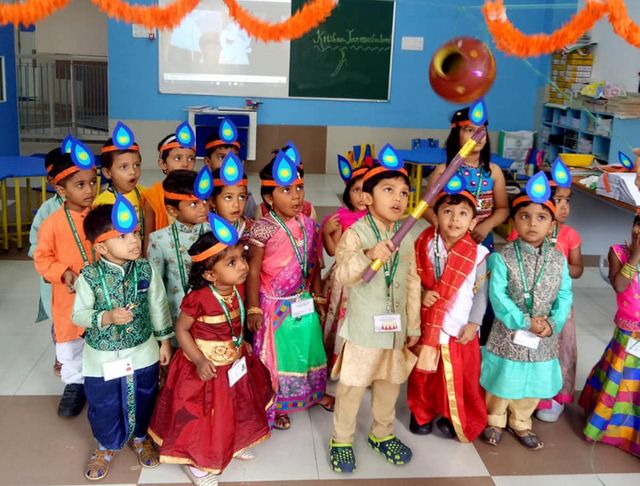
[349,41]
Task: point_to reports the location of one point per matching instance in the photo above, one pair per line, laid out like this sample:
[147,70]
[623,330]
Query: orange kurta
[154,196]
[56,252]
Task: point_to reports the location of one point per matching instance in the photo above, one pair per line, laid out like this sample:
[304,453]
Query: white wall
[79,29]
[615,60]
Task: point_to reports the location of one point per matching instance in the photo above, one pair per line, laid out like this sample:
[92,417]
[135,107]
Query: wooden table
[609,200]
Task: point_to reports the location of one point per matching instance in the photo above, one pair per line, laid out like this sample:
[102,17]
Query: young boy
[122,305]
[47,208]
[452,268]
[530,291]
[382,320]
[61,252]
[168,247]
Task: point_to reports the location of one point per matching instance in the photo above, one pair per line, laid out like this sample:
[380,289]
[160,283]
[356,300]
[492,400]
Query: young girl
[530,290]
[283,269]
[230,194]
[122,165]
[611,395]
[175,151]
[331,229]
[212,408]
[568,241]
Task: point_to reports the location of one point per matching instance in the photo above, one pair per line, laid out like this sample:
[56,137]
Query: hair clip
[203,185]
[626,162]
[223,230]
[227,131]
[123,215]
[538,188]
[82,157]
[185,136]
[231,170]
[560,173]
[122,136]
[389,158]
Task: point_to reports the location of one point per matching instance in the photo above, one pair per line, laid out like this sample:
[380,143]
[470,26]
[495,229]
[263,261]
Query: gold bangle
[320,300]
[254,311]
[628,271]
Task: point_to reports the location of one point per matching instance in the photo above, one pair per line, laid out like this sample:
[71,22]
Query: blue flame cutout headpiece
[455,185]
[626,162]
[223,230]
[122,136]
[292,152]
[65,145]
[478,112]
[185,136]
[284,170]
[345,169]
[538,188]
[227,131]
[123,215]
[203,185]
[389,158]
[560,173]
[82,157]
[231,170]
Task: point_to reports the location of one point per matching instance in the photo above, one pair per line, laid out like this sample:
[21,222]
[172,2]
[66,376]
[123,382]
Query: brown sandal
[492,435]
[98,466]
[328,402]
[529,440]
[282,422]
[146,452]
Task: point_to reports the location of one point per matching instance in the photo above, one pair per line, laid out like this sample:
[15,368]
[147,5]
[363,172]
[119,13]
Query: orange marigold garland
[622,24]
[307,18]
[151,16]
[29,12]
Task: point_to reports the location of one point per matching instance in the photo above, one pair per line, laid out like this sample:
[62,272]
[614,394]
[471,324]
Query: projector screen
[209,54]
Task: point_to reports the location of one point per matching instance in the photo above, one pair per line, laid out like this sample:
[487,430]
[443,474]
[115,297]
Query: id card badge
[301,308]
[387,323]
[526,339]
[633,347]
[238,370]
[117,369]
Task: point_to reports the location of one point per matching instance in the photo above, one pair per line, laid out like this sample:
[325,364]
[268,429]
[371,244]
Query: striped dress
[611,396]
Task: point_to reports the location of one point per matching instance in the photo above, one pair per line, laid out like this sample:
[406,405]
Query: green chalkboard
[348,56]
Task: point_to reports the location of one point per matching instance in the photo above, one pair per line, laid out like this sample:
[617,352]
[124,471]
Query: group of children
[194,321]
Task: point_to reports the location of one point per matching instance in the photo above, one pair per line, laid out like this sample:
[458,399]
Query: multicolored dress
[480,183]
[611,396]
[205,423]
[335,293]
[291,348]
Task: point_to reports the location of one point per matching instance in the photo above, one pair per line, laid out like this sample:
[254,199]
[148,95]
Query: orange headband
[113,148]
[217,143]
[214,250]
[65,173]
[462,123]
[378,170]
[179,197]
[466,194]
[524,198]
[358,172]
[297,182]
[172,145]
[48,168]
[220,183]
[110,234]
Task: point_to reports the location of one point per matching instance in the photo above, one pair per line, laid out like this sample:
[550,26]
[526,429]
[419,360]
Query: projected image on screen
[208,53]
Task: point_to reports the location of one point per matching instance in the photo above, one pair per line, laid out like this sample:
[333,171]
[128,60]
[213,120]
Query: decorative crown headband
[538,189]
[123,218]
[285,170]
[231,172]
[224,232]
[183,138]
[202,188]
[81,156]
[227,135]
[389,159]
[346,169]
[123,139]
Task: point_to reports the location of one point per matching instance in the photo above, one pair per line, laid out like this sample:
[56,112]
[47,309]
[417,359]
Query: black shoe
[416,428]
[446,427]
[72,401]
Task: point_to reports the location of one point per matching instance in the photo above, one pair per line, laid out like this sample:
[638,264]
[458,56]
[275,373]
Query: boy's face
[534,223]
[122,248]
[214,161]
[389,199]
[287,201]
[455,220]
[79,189]
[125,171]
[190,212]
[230,202]
[178,158]
[562,199]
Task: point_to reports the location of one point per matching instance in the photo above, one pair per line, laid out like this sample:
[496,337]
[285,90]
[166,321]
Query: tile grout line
[31,370]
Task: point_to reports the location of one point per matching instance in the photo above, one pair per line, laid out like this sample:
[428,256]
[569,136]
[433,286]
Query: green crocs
[341,457]
[391,448]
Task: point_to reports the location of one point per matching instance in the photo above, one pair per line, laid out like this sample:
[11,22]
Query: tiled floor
[38,448]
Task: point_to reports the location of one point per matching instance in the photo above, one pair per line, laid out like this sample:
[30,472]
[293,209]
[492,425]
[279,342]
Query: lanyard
[105,287]
[436,252]
[528,294]
[554,236]
[302,258]
[140,210]
[176,243]
[389,274]
[59,199]
[76,237]
[237,340]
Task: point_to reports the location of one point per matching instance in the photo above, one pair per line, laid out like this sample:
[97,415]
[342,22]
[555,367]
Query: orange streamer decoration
[513,41]
[152,17]
[308,17]
[29,12]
